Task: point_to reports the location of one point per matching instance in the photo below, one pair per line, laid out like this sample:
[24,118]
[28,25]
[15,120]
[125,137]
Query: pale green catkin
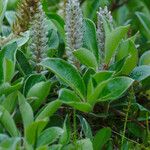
[62,6]
[26,10]
[102,14]
[73,28]
[38,34]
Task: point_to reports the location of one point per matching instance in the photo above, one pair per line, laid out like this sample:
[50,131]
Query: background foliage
[49,101]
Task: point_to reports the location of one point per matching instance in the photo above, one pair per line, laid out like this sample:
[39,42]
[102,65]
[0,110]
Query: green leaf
[145,58]
[10,144]
[23,63]
[87,75]
[6,88]
[102,76]
[90,7]
[127,49]
[84,144]
[33,131]
[67,73]
[53,41]
[136,130]
[32,80]
[26,110]
[8,68]
[117,66]
[49,136]
[140,73]
[3,137]
[10,102]
[23,39]
[45,147]
[7,62]
[49,110]
[10,16]
[89,38]
[82,106]
[40,91]
[90,88]
[3,6]
[112,41]
[56,147]
[111,89]
[59,23]
[65,137]
[86,57]
[145,22]
[101,138]
[69,97]
[86,128]
[7,121]
[9,51]
[12,4]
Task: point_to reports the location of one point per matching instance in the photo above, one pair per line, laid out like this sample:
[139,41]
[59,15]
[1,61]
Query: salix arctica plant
[73,28]
[38,33]
[103,14]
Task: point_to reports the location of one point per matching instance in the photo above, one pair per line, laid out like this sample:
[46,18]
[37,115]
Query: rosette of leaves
[91,86]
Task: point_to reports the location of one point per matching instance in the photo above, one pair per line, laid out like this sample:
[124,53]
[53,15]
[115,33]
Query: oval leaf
[112,41]
[86,57]
[67,73]
[102,76]
[49,110]
[33,131]
[26,110]
[140,73]
[89,37]
[8,122]
[39,91]
[101,138]
[111,89]
[145,58]
[70,98]
[127,49]
[49,136]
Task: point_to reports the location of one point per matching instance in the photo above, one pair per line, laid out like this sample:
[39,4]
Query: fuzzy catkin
[73,28]
[61,10]
[38,34]
[25,12]
[102,14]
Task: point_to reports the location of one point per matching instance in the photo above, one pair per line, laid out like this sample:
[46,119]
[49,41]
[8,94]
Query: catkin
[73,28]
[102,14]
[25,12]
[38,34]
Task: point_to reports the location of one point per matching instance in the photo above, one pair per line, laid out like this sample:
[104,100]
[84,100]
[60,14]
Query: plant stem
[74,127]
[130,97]
[147,123]
[125,123]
